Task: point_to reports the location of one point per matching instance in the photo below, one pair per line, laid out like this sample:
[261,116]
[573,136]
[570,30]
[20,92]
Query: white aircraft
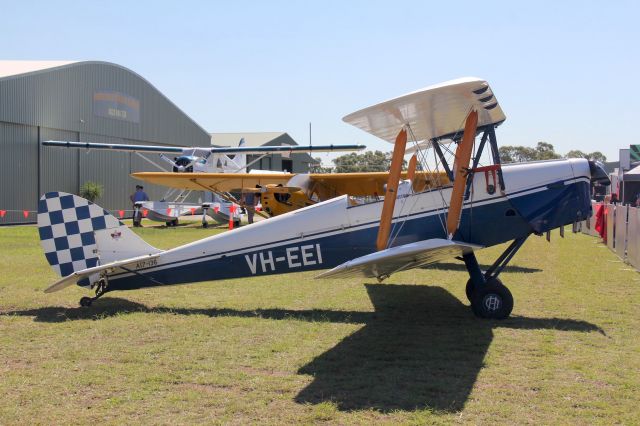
[484,206]
[219,205]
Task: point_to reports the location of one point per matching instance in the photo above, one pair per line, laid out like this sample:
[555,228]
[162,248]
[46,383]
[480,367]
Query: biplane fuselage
[538,197]
[486,204]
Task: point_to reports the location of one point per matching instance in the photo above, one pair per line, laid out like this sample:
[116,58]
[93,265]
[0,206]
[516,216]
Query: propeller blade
[392,190]
[460,170]
[169,160]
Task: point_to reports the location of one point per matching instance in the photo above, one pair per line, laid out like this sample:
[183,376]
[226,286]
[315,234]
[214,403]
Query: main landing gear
[101,288]
[488,296]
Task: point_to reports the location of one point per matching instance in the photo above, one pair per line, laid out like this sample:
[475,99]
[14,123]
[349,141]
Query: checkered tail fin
[77,234]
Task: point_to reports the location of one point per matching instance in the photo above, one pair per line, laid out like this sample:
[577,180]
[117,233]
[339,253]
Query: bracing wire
[403,214]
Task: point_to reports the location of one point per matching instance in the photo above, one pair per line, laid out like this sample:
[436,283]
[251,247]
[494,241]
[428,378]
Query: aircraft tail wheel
[493,300]
[85,302]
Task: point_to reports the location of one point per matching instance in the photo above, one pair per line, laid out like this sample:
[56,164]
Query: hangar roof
[10,68]
[63,95]
[250,138]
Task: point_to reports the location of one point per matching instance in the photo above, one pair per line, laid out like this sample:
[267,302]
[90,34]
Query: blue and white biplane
[482,204]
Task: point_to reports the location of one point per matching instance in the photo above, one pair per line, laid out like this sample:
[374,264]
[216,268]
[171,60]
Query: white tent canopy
[632,175]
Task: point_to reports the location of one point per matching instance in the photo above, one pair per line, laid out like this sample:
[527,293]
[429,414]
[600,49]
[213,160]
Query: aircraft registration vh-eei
[480,205]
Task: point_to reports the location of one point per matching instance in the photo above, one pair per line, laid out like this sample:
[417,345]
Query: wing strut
[411,170]
[392,190]
[227,198]
[460,170]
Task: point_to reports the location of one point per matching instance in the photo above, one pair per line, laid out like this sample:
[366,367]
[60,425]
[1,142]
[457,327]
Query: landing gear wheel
[85,302]
[205,225]
[174,222]
[492,300]
[469,290]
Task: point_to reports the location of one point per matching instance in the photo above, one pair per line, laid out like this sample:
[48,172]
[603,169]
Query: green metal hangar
[295,163]
[85,101]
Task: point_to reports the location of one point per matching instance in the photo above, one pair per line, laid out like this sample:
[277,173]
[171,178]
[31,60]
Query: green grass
[291,349]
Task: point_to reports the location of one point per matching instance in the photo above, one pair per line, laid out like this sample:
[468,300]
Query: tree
[517,154]
[316,166]
[576,153]
[595,155]
[369,161]
[91,190]
[545,151]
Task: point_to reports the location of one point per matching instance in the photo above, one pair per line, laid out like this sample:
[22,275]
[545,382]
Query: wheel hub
[492,302]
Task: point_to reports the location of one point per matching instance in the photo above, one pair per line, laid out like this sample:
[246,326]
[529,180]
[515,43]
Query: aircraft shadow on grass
[420,348]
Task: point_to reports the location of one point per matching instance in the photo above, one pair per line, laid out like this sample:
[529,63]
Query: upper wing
[199,150]
[361,184]
[115,147]
[434,112]
[400,258]
[286,149]
[218,182]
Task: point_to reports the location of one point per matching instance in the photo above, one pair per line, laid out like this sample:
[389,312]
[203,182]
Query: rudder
[67,225]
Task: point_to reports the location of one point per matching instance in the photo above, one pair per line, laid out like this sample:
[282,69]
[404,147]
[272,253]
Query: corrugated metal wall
[58,104]
[19,171]
[59,167]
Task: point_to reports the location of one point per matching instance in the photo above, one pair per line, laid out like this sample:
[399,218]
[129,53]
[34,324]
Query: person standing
[249,201]
[138,197]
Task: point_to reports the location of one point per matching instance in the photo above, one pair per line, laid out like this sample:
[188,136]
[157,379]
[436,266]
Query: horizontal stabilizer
[386,262]
[84,273]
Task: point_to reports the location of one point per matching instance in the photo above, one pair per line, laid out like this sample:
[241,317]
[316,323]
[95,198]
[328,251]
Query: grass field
[291,349]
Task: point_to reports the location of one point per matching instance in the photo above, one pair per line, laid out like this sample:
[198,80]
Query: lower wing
[386,262]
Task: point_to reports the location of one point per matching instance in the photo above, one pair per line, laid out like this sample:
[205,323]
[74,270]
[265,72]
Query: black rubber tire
[85,302]
[469,290]
[493,300]
[174,222]
[205,225]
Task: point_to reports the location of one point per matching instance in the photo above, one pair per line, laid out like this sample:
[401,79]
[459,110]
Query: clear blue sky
[564,72]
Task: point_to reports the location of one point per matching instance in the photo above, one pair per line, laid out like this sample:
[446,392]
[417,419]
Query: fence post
[621,231]
[611,224]
[633,237]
